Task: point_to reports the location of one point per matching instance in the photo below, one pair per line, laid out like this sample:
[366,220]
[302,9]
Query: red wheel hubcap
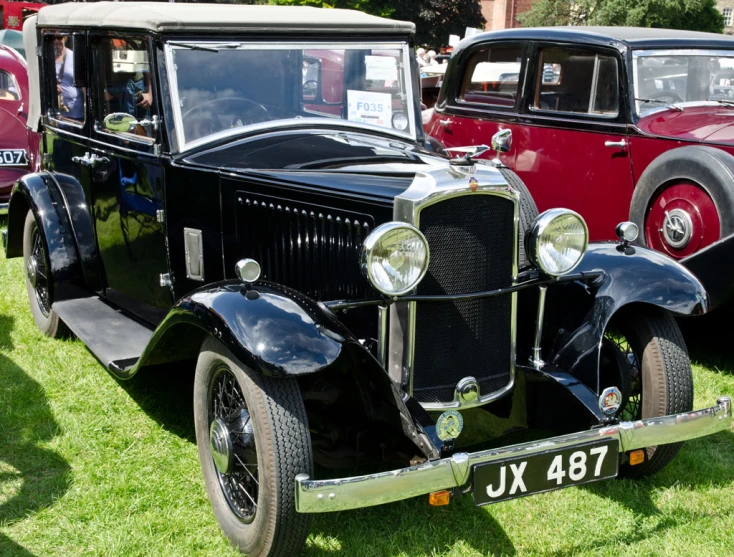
[682,220]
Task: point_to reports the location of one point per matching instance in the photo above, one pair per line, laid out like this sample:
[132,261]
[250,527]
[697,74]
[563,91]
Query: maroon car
[615,123]
[15,159]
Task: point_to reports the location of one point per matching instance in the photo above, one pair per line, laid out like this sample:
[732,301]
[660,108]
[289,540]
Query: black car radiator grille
[472,245]
[311,248]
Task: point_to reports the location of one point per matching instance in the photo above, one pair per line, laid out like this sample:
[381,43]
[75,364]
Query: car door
[572,148]
[487,98]
[126,177]
[66,118]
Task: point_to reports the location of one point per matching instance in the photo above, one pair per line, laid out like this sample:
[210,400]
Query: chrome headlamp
[557,241]
[395,258]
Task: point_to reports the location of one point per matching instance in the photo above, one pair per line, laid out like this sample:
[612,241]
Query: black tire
[528,210]
[40,287]
[659,382]
[712,169]
[273,415]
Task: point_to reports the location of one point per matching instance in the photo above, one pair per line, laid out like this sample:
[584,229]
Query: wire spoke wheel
[644,355]
[253,440]
[37,271]
[236,464]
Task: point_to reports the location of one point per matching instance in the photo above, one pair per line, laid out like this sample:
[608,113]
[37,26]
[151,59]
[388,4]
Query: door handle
[94,159]
[445,122]
[84,161]
[621,144]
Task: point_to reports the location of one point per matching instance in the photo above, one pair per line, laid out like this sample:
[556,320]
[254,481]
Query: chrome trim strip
[382,313]
[536,359]
[340,494]
[427,189]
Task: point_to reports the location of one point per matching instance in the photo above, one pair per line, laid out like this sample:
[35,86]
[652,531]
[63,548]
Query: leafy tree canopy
[693,15]
[434,20]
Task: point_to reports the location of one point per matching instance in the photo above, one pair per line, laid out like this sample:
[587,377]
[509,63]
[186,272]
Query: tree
[434,20]
[693,15]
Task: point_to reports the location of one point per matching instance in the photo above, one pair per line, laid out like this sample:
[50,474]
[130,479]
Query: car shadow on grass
[31,477]
[166,393]
[709,339]
[410,527]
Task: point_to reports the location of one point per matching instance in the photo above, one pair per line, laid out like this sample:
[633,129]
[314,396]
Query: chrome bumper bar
[4,208]
[313,496]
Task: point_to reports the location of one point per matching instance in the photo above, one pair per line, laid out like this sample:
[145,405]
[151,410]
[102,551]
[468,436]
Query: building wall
[501,14]
[726,7]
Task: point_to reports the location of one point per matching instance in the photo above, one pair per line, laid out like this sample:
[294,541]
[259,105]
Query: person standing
[71,99]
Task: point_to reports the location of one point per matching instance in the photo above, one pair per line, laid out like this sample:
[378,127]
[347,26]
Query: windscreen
[220,87]
[679,77]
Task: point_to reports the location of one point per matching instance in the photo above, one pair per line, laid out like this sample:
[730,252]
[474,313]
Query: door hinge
[165,279]
[160,216]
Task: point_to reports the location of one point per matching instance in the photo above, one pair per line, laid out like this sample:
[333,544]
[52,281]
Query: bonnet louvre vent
[311,248]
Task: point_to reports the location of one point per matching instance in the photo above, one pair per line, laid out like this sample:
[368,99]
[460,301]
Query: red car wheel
[681,220]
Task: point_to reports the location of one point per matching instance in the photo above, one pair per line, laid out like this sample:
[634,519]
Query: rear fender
[278,332]
[41,194]
[577,314]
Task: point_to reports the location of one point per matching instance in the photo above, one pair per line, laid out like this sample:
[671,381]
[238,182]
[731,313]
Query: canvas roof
[222,18]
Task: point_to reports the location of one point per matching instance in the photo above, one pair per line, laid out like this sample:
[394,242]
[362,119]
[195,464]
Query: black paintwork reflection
[714,267]
[302,150]
[127,193]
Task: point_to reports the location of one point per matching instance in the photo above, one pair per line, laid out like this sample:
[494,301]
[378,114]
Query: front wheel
[643,352]
[253,440]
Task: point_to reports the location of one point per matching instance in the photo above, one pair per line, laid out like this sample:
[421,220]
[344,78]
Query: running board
[115,339]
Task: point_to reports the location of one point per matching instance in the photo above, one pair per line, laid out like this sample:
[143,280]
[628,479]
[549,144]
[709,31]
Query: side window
[67,101]
[9,90]
[124,87]
[571,80]
[492,76]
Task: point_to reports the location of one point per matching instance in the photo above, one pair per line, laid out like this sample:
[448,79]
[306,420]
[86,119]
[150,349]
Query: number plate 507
[13,157]
[518,477]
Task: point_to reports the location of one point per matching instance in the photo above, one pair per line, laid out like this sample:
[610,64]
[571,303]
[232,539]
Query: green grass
[93,466]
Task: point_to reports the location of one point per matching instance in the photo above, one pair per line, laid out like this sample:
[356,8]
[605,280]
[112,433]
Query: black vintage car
[247,191]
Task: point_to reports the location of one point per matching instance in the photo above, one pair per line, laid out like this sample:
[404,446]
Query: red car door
[570,143]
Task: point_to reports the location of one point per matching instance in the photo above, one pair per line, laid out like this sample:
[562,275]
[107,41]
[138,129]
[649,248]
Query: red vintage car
[16,142]
[615,123]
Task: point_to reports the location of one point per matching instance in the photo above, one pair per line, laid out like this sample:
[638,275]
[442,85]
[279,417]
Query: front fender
[40,193]
[578,314]
[272,329]
[278,332]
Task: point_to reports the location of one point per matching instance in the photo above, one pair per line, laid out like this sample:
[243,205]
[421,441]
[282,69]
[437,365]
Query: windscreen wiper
[657,101]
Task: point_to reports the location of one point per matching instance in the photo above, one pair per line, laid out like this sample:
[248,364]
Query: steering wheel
[243,112]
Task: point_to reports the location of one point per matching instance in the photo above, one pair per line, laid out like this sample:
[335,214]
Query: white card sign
[370,108]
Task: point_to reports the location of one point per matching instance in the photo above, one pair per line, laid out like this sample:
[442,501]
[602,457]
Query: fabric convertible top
[162,16]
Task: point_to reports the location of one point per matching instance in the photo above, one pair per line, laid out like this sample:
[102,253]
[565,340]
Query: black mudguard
[65,223]
[577,314]
[278,332]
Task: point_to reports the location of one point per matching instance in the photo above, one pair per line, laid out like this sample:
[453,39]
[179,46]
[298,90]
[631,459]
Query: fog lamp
[557,241]
[395,258]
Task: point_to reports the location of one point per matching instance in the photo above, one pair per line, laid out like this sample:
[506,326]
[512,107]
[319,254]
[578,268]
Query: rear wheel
[38,280]
[644,354]
[253,440]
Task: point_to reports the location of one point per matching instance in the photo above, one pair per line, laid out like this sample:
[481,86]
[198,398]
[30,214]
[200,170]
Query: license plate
[555,469]
[13,157]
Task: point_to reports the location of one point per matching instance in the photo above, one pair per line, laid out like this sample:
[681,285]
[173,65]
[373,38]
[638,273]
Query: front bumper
[314,496]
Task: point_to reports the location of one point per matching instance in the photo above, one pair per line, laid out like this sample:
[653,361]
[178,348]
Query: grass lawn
[93,466]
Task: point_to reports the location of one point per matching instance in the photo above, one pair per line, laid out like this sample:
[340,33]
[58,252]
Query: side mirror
[79,46]
[502,141]
[119,122]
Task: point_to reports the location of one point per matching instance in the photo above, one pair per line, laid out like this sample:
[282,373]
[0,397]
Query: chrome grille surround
[428,189]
